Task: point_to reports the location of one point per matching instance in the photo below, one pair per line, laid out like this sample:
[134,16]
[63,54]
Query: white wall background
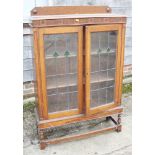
[118,6]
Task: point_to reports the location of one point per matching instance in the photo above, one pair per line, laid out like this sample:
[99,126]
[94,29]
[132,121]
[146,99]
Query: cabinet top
[74,15]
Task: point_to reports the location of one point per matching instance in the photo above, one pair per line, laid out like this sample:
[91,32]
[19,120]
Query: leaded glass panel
[61,71]
[103,64]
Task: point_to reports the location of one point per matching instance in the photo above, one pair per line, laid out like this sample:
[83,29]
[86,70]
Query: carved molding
[81,21]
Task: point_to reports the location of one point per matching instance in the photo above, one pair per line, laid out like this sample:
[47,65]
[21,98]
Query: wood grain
[82,21]
[118,59]
[60,114]
[38,78]
[121,62]
[43,76]
[60,10]
[68,120]
[87,70]
[80,69]
[79,136]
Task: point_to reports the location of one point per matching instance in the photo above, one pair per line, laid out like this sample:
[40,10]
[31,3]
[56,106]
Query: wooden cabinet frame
[50,21]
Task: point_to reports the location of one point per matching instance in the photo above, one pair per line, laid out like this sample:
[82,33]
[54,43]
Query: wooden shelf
[73,82]
[60,57]
[102,53]
[92,53]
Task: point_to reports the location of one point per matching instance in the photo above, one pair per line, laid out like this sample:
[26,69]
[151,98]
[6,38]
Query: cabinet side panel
[121,61]
[38,81]
[42,75]
[118,59]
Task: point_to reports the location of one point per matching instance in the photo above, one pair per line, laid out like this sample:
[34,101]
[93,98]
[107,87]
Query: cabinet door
[61,70]
[103,46]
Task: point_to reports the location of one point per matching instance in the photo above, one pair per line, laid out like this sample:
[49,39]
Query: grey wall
[118,6]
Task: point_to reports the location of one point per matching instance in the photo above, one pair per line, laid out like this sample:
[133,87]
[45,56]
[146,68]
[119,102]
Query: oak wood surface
[60,114]
[78,136]
[81,21]
[87,68]
[43,75]
[118,58]
[80,69]
[60,10]
[121,61]
[38,76]
[64,121]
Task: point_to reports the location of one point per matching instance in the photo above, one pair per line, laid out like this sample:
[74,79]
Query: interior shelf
[59,57]
[71,56]
[102,53]
[73,82]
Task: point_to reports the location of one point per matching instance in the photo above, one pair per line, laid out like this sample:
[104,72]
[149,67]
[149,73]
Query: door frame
[102,28]
[43,106]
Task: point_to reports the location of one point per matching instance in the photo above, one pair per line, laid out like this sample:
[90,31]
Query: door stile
[87,70]
[80,69]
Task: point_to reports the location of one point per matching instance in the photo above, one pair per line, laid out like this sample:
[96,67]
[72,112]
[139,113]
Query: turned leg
[41,137]
[42,146]
[119,126]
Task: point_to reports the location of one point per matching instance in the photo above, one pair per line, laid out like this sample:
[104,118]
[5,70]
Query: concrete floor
[111,143]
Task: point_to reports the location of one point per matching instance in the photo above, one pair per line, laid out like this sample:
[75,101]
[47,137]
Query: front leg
[119,126]
[41,137]
[108,118]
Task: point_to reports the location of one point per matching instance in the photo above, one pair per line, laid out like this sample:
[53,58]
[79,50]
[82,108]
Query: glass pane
[61,71]
[110,94]
[103,63]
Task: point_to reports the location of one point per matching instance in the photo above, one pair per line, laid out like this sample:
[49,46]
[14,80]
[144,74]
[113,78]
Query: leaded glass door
[102,78]
[61,58]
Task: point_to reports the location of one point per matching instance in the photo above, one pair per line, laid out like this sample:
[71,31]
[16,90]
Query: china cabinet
[79,55]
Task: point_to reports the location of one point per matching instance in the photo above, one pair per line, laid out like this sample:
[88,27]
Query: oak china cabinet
[79,55]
